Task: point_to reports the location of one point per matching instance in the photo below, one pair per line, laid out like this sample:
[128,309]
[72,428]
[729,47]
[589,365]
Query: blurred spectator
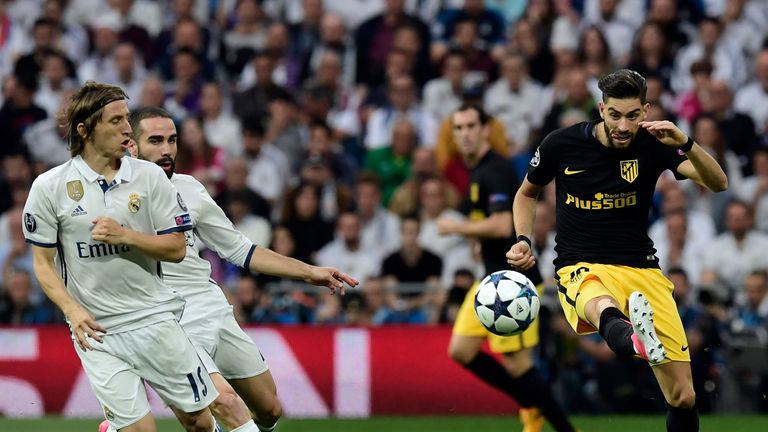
[405,199]
[143,14]
[409,40]
[46,139]
[711,134]
[185,34]
[392,164]
[152,92]
[412,263]
[515,99]
[738,130]
[198,158]
[577,96]
[333,39]
[752,99]
[676,30]
[651,54]
[74,38]
[222,129]
[737,252]
[380,228]
[305,34]
[728,61]
[15,180]
[12,42]
[44,39]
[16,255]
[621,29]
[740,30]
[678,251]
[753,314]
[302,217]
[754,189]
[541,62]
[700,228]
[402,105]
[235,182]
[257,229]
[18,111]
[338,101]
[442,95]
[247,36]
[489,23]
[253,101]
[690,104]
[348,252]
[54,82]
[375,38]
[183,93]
[335,197]
[594,53]
[16,306]
[436,199]
[481,67]
[322,143]
[129,73]
[462,281]
[267,166]
[379,304]
[286,69]
[246,298]
[98,66]
[283,129]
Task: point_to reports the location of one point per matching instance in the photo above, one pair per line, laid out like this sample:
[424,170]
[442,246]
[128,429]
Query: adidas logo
[79,211]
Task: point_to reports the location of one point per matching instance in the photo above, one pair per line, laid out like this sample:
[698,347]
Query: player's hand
[520,256]
[84,326]
[107,230]
[446,226]
[666,132]
[331,278]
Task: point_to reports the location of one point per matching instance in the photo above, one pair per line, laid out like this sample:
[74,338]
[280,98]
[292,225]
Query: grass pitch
[730,423]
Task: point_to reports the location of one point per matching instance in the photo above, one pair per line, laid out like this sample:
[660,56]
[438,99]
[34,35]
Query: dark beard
[611,144]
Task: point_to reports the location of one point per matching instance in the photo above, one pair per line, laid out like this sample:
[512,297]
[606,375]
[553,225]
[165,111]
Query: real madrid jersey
[212,227]
[603,194]
[119,285]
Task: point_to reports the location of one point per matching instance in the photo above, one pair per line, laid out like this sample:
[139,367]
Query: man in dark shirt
[492,184]
[605,173]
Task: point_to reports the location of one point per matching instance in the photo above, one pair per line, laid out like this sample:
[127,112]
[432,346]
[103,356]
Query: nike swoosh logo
[569,172]
[685,348]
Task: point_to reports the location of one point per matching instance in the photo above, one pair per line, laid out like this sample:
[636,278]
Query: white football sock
[246,427]
[267,428]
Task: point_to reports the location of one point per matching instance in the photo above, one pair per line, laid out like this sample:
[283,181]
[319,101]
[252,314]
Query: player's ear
[81,130]
[646,107]
[601,109]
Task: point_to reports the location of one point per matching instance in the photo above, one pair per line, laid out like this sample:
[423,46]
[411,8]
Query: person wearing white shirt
[380,227]
[227,352]
[515,99]
[754,189]
[443,95]
[54,82]
[268,170]
[752,99]
[222,129]
[348,251]
[403,104]
[100,225]
[127,71]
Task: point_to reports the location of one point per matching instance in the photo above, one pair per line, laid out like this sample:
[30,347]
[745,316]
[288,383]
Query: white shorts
[160,355]
[221,344]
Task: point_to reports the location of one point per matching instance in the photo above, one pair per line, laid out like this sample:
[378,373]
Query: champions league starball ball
[506,302]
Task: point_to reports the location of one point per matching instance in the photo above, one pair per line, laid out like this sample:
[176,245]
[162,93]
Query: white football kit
[208,317]
[121,287]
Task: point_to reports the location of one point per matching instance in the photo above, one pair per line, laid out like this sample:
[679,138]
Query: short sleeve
[542,168]
[39,222]
[168,210]
[215,230]
[501,187]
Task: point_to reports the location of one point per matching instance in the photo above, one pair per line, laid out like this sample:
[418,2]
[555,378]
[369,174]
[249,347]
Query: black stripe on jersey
[36,243]
[60,250]
[159,270]
[247,263]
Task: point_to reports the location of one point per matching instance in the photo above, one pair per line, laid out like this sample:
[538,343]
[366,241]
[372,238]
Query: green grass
[424,424]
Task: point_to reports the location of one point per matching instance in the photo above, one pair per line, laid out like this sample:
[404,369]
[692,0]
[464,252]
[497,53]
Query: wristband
[525,239]
[685,148]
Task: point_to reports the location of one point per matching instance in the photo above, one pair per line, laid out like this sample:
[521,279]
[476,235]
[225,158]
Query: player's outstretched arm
[700,167]
[163,247]
[520,254]
[83,324]
[272,263]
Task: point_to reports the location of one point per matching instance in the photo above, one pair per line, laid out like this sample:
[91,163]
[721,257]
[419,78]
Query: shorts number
[193,383]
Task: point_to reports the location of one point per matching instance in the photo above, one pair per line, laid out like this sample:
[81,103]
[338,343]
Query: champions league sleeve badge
[181,202]
[134,203]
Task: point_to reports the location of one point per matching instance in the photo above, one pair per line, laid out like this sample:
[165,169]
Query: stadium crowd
[321,127]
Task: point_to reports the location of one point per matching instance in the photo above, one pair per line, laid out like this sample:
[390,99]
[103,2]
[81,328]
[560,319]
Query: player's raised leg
[229,408]
[260,395]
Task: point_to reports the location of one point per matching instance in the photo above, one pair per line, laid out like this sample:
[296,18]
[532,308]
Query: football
[506,302]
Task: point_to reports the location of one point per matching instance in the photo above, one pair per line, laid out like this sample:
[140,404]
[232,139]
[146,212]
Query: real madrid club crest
[134,203]
[75,190]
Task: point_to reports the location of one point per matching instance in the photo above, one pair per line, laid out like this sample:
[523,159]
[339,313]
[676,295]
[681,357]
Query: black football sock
[617,331]
[539,394]
[682,419]
[529,390]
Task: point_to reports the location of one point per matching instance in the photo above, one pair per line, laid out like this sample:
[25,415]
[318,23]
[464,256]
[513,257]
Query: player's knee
[683,397]
[270,412]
